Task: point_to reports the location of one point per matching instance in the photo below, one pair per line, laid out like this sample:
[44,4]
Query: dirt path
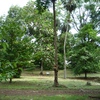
[49,92]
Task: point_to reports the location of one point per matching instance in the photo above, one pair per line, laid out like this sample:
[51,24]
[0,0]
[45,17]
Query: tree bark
[55,47]
[67,30]
[65,56]
[10,80]
[85,75]
[41,73]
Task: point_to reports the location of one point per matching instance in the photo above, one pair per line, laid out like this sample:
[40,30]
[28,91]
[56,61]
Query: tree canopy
[27,37]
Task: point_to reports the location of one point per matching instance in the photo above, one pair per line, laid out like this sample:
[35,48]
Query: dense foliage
[27,37]
[16,47]
[84,57]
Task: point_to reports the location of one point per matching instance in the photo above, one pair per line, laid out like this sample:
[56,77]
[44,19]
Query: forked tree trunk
[55,47]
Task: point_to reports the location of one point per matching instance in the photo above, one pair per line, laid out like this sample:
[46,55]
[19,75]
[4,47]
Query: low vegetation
[57,97]
[32,81]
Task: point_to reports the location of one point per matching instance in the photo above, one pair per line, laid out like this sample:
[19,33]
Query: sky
[6,4]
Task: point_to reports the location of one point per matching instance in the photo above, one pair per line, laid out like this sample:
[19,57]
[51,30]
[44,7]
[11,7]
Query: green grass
[32,80]
[56,97]
[46,83]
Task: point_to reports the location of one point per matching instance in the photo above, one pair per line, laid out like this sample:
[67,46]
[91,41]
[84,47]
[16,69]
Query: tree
[39,26]
[64,10]
[69,6]
[16,47]
[40,4]
[87,12]
[55,47]
[84,57]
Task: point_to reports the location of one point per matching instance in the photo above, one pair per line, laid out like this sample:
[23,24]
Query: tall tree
[55,47]
[87,12]
[69,7]
[17,45]
[40,4]
[84,57]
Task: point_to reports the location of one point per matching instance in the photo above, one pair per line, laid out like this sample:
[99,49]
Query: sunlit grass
[46,82]
[32,80]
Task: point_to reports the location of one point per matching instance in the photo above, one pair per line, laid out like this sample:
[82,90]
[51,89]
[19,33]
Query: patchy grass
[33,81]
[56,97]
[61,74]
[46,83]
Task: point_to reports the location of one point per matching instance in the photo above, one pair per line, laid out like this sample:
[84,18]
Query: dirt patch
[92,93]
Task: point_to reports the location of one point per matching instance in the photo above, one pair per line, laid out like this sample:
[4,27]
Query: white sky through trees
[6,4]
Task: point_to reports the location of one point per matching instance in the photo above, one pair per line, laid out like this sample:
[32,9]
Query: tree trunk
[65,56]
[65,72]
[85,75]
[55,77]
[10,80]
[55,47]
[41,73]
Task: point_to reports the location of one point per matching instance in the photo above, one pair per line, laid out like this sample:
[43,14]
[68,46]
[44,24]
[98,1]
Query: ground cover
[32,86]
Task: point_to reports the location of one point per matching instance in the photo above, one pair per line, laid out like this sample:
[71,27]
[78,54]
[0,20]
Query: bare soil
[81,92]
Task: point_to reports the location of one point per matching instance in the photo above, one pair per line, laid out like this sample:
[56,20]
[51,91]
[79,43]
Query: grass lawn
[33,81]
[46,83]
[56,97]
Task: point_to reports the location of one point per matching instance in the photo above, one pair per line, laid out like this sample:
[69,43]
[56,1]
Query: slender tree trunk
[41,64]
[55,47]
[41,73]
[67,30]
[65,56]
[85,75]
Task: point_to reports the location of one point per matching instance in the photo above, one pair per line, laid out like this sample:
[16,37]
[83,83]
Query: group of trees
[27,37]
